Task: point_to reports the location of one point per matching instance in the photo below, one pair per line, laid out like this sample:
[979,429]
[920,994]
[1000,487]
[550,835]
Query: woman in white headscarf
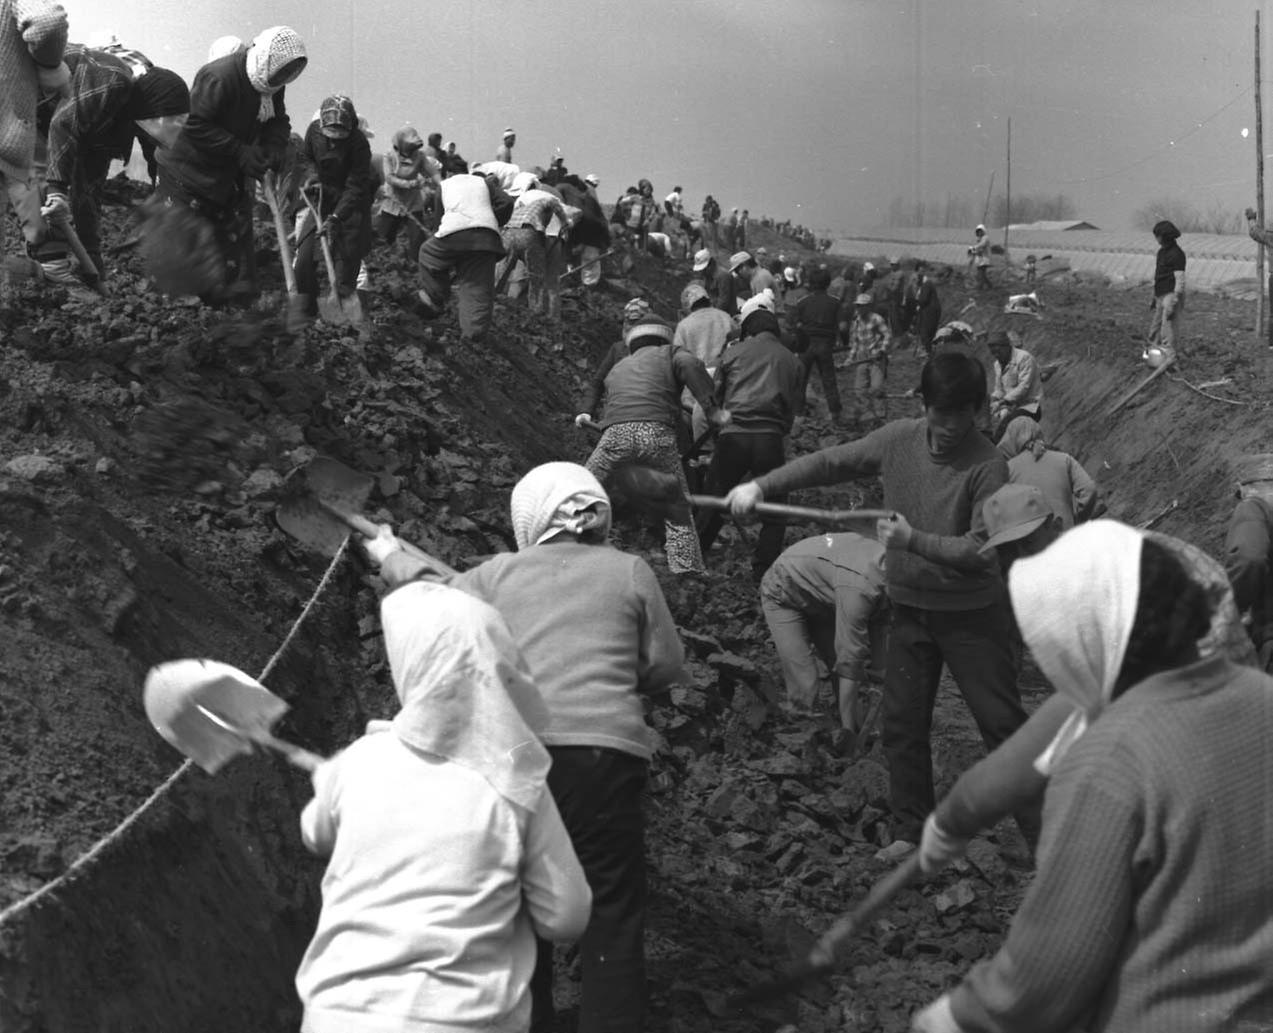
[448,855]
[1150,910]
[237,131]
[597,636]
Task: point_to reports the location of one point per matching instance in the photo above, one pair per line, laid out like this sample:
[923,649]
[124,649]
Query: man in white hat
[504,152]
[869,341]
[741,268]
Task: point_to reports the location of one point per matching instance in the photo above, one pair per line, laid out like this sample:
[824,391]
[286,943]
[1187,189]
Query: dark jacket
[761,383]
[89,127]
[343,167]
[646,386]
[815,317]
[206,160]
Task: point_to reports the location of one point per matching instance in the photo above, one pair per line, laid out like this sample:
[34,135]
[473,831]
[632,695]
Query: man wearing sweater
[32,43]
[949,604]
[760,383]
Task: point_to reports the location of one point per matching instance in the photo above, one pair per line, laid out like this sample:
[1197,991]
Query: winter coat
[343,167]
[32,33]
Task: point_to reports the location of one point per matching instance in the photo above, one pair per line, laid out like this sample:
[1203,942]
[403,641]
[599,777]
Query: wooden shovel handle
[284,247]
[779,509]
[297,755]
[323,242]
[63,221]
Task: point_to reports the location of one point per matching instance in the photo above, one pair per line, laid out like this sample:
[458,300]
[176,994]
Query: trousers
[738,456]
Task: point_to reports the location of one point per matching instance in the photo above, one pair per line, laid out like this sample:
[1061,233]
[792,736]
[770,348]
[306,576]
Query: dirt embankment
[141,444]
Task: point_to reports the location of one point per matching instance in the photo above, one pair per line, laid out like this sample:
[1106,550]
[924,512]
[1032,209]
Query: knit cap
[648,326]
[158,93]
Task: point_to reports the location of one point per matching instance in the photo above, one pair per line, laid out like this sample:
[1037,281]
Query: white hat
[867,267]
[789,274]
[757,302]
[739,258]
[863,299]
[510,131]
[702,259]
[980,228]
[591,178]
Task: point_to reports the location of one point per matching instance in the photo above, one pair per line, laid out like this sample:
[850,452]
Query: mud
[142,443]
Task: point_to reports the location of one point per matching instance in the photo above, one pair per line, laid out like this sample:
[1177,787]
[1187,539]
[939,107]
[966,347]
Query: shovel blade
[322,480]
[179,697]
[341,311]
[302,518]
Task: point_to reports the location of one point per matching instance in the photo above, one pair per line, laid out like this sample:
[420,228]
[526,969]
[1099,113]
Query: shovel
[323,501]
[334,309]
[823,957]
[62,221]
[296,318]
[213,712]
[660,493]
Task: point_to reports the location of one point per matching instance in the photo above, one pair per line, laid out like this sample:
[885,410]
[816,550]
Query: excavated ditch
[141,447]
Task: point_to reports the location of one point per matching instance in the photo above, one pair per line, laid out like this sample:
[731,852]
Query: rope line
[87,858]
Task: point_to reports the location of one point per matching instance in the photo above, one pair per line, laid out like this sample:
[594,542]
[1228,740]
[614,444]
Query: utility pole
[985,212]
[1259,187]
[1007,215]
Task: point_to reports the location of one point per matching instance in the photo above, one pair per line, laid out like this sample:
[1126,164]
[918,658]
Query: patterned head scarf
[555,498]
[336,117]
[271,52]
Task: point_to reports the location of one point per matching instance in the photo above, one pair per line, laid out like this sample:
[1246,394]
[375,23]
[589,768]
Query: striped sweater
[32,33]
[1151,911]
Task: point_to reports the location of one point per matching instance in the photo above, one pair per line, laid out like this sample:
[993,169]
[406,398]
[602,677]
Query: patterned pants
[651,444]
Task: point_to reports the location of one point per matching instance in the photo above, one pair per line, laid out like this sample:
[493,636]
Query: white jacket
[466,205]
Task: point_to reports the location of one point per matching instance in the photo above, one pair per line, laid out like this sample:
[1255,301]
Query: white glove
[936,1018]
[582,418]
[382,545]
[722,418]
[57,204]
[937,847]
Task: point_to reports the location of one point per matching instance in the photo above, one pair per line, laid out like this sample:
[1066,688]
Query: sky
[820,111]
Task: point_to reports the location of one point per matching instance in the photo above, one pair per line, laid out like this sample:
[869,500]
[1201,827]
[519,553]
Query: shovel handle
[63,221]
[591,424]
[297,755]
[779,509]
[369,529]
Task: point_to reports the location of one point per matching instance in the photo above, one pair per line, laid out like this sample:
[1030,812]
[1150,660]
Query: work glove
[582,419]
[936,1018]
[56,206]
[937,847]
[254,161]
[381,546]
[721,418]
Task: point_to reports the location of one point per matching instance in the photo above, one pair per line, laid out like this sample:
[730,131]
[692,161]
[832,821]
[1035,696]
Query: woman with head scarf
[1070,493]
[448,857]
[597,636]
[1157,772]
[237,131]
[407,180]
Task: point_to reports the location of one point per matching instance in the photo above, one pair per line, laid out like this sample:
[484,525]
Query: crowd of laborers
[518,758]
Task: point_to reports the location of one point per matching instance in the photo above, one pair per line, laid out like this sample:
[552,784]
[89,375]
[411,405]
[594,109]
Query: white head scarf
[270,51]
[1075,603]
[557,497]
[522,182]
[224,46]
[465,690]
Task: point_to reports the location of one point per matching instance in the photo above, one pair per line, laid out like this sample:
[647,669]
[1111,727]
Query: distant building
[1052,225]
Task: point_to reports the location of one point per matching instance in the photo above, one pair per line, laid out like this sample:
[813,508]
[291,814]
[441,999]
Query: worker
[711,220]
[1019,522]
[979,256]
[447,853]
[638,212]
[641,417]
[1246,559]
[949,607]
[407,177]
[109,105]
[1169,292]
[633,312]
[705,329]
[504,152]
[741,267]
[525,241]
[815,325]
[824,601]
[33,42]
[869,340]
[760,383]
[1018,389]
[1070,492]
[337,161]
[1136,919]
[718,282]
[927,311]
[1261,235]
[465,249]
[237,131]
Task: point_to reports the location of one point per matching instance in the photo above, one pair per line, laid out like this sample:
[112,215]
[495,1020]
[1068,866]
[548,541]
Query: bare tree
[1188,217]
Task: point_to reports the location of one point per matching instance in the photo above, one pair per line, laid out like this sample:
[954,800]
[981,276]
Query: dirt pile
[142,446]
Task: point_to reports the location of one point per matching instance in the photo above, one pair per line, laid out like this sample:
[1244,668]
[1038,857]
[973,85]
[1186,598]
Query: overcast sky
[821,111]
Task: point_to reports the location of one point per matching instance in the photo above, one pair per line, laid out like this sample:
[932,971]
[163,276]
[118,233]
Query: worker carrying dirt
[825,603]
[869,341]
[1137,920]
[815,323]
[979,256]
[760,383]
[32,45]
[237,131]
[465,250]
[1169,293]
[1070,492]
[949,606]
[1018,389]
[336,159]
[642,414]
[604,645]
[108,106]
[436,890]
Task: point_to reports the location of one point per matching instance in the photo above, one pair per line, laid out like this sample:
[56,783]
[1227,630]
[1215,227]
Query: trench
[196,918]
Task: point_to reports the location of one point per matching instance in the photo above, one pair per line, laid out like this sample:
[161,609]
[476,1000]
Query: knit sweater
[1066,486]
[32,33]
[941,497]
[596,632]
[435,891]
[704,334]
[1151,910]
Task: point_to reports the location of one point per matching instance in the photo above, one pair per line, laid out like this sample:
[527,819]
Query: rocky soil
[143,444]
